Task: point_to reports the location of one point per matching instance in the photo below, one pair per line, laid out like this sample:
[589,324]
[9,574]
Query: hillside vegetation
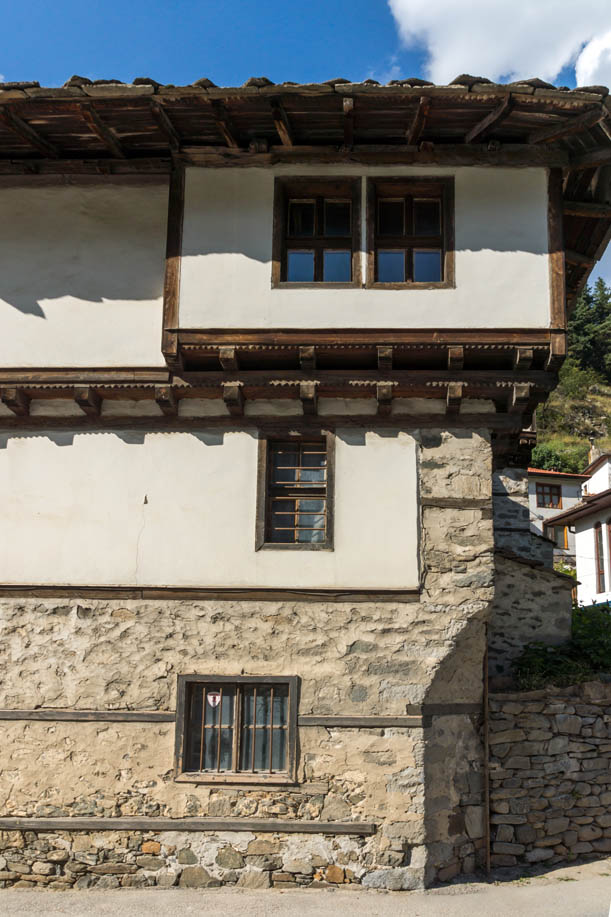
[579,410]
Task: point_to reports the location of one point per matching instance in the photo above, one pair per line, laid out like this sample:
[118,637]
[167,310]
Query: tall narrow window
[295,505]
[242,727]
[316,232]
[599,558]
[410,232]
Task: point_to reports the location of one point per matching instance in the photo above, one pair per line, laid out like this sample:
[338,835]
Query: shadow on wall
[90,244]
[454,774]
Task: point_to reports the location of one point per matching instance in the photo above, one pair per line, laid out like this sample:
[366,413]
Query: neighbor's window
[549,496]
[410,232]
[599,557]
[294,493]
[316,232]
[241,728]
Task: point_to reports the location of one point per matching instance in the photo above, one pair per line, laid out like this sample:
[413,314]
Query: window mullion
[237,728]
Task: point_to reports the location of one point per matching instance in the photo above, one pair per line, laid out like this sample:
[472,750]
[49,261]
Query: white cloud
[495,39]
[593,67]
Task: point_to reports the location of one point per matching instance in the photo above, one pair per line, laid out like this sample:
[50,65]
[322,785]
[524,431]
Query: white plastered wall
[585,551]
[81,275]
[502,274]
[179,509]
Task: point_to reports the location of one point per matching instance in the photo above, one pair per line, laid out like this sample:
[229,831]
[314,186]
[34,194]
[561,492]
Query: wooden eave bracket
[456,357]
[309,397]
[454,397]
[384,394]
[557,352]
[416,128]
[88,400]
[16,400]
[166,399]
[307,358]
[166,126]
[568,126]
[523,358]
[228,359]
[491,120]
[573,257]
[348,108]
[225,128]
[282,123]
[233,396]
[102,131]
[521,393]
[385,357]
[588,209]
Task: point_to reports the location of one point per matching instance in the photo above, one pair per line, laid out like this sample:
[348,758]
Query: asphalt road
[575,891]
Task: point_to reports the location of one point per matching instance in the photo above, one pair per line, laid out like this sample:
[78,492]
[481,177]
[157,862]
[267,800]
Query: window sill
[443,285]
[282,546]
[315,285]
[247,780]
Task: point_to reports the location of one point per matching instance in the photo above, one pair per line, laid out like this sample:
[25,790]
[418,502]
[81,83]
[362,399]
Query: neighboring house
[262,349]
[590,520]
[549,492]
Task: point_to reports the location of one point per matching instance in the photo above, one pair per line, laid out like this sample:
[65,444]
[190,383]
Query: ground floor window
[236,727]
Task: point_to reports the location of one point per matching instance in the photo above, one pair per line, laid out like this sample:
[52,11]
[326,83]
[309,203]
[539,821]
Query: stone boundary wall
[550,774]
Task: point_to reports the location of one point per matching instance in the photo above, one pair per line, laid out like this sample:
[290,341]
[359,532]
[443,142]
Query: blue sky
[179,42]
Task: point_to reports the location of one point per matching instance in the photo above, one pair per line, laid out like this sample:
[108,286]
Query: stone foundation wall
[531,603]
[550,775]
[422,787]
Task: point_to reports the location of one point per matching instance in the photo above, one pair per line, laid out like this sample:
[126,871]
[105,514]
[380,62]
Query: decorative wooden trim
[156,823]
[285,185]
[91,716]
[237,777]
[361,722]
[447,709]
[447,193]
[555,235]
[505,337]
[171,284]
[465,503]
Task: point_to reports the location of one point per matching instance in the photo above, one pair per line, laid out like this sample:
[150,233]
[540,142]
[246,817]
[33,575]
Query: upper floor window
[410,226]
[599,557]
[549,496]
[316,232]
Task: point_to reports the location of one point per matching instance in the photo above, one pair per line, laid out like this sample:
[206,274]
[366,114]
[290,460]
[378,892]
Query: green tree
[589,330]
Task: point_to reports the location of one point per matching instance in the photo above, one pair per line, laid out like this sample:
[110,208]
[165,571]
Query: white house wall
[586,558]
[601,479]
[502,274]
[121,508]
[81,275]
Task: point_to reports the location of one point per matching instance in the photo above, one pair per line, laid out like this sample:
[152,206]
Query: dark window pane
[312,475]
[310,536]
[226,749]
[281,705]
[391,218]
[310,521]
[311,506]
[391,267]
[281,535]
[427,218]
[337,218]
[313,459]
[279,750]
[301,219]
[337,267]
[427,266]
[246,750]
[300,267]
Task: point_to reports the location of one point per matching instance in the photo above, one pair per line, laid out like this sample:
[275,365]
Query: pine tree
[589,330]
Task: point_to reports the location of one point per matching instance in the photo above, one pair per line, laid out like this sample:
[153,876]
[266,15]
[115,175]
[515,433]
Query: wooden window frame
[318,187]
[599,559]
[263,467]
[540,488]
[441,187]
[289,776]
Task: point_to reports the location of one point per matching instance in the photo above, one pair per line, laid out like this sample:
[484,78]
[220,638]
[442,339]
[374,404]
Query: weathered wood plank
[102,131]
[26,132]
[491,120]
[578,258]
[233,396]
[555,238]
[173,255]
[88,400]
[16,400]
[91,716]
[157,823]
[308,396]
[417,126]
[282,123]
[360,722]
[568,126]
[166,126]
[588,209]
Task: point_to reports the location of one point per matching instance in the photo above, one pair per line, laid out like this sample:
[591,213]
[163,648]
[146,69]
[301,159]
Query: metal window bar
[210,733]
[297,505]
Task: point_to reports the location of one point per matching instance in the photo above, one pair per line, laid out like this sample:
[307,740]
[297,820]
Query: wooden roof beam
[491,120]
[587,209]
[16,400]
[417,126]
[225,128]
[282,123]
[593,159]
[165,125]
[348,106]
[26,132]
[568,126]
[101,130]
[578,258]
